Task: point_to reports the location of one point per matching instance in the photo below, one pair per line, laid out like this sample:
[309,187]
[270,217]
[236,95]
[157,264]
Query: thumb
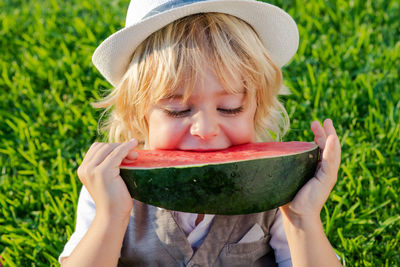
[330,161]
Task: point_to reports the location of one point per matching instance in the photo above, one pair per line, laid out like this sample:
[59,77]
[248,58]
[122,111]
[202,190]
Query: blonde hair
[176,55]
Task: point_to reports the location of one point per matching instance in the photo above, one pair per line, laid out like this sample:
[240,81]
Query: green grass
[347,69]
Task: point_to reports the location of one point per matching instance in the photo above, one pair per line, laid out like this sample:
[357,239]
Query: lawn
[347,68]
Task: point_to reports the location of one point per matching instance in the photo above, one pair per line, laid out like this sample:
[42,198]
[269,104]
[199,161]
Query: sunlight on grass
[346,68]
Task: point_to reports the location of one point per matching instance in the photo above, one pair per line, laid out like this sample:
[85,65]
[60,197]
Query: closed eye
[233,111]
[177,113]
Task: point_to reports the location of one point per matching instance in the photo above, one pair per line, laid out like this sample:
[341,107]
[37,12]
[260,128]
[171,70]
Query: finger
[132,155]
[101,154]
[95,155]
[334,144]
[118,154]
[329,128]
[319,134]
[127,162]
[91,151]
[130,158]
[330,161]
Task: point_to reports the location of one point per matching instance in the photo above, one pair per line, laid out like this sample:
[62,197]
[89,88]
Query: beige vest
[153,238]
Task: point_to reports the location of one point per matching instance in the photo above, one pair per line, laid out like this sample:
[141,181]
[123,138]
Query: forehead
[211,82]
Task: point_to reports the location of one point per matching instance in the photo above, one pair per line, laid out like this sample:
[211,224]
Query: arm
[307,241]
[99,172]
[101,246]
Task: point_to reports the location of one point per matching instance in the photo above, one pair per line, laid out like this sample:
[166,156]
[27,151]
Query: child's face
[211,119]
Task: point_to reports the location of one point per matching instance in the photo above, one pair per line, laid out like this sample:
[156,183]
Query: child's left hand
[309,201]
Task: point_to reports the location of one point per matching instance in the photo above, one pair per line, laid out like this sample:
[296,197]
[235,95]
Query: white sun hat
[276,29]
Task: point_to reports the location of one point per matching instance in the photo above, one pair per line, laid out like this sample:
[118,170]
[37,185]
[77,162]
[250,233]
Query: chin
[203,148]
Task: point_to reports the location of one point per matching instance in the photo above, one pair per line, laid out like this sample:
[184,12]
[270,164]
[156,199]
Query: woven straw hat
[275,27]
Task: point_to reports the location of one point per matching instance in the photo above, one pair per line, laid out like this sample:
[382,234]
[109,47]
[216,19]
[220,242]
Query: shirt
[195,234]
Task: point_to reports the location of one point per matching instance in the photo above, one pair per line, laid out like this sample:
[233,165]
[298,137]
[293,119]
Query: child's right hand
[99,173]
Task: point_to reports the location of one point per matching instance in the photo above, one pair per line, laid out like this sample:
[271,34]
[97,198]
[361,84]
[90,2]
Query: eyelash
[233,111]
[177,114]
[182,113]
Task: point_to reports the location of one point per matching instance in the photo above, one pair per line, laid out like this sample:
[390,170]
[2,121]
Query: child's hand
[99,173]
[309,201]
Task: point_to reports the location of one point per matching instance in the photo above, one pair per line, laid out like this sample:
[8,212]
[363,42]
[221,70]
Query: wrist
[117,211]
[301,222]
[307,241]
[109,218]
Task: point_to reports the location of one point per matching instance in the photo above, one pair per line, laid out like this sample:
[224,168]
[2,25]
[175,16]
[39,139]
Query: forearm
[101,246]
[308,243]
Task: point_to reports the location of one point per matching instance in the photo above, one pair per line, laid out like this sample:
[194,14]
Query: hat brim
[276,29]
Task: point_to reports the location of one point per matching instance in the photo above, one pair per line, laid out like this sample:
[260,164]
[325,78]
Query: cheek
[243,133]
[163,132]
[243,129]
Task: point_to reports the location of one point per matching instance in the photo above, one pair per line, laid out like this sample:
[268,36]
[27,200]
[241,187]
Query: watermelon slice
[239,180]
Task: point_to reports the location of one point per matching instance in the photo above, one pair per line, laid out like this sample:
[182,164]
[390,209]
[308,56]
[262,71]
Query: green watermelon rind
[231,188]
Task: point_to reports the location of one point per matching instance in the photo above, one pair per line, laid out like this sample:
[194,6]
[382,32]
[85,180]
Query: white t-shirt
[195,234]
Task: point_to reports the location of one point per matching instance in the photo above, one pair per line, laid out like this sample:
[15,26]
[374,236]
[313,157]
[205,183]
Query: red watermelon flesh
[169,158]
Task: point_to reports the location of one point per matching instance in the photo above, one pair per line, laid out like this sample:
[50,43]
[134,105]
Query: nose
[204,126]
